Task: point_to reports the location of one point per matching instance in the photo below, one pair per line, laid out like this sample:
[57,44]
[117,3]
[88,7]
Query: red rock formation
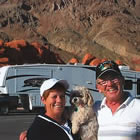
[14,56]
[21,52]
[95,62]
[1,43]
[2,50]
[136,61]
[73,61]
[137,69]
[46,46]
[16,43]
[4,60]
[58,59]
[87,59]
[104,59]
[38,47]
[119,62]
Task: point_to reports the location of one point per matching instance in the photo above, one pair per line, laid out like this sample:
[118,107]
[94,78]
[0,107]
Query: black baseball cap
[106,67]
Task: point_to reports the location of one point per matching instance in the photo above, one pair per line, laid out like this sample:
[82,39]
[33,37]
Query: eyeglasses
[105,82]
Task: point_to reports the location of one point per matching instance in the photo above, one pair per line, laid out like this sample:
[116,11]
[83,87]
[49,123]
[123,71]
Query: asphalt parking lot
[13,124]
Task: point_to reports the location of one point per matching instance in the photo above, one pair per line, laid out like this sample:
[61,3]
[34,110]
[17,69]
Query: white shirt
[124,124]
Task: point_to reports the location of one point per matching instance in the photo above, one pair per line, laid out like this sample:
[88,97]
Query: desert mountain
[105,28]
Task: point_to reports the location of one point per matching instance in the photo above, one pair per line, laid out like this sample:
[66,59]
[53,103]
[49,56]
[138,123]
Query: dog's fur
[83,117]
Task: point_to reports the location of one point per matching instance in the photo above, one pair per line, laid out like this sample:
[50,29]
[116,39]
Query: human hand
[23,135]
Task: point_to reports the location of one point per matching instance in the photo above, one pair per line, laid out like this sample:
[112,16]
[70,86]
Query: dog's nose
[75,100]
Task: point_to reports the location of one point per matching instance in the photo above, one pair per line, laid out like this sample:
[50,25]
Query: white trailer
[19,84]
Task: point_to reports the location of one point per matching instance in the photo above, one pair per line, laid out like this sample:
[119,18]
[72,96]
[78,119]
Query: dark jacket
[45,128]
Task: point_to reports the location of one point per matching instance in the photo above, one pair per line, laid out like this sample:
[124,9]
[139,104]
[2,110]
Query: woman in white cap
[51,125]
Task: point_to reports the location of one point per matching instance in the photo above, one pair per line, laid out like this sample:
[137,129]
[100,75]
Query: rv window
[138,87]
[128,85]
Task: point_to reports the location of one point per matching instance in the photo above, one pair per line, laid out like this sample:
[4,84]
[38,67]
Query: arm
[23,135]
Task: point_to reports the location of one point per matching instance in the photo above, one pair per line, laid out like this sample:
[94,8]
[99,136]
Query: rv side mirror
[128,85]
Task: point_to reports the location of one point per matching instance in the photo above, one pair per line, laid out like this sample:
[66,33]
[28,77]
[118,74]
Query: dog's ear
[90,100]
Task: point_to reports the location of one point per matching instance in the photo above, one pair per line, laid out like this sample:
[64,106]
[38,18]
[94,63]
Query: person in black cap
[119,113]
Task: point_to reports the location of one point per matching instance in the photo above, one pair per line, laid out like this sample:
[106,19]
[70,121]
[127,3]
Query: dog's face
[81,96]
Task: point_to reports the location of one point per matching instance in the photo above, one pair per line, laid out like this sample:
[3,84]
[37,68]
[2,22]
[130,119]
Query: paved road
[11,125]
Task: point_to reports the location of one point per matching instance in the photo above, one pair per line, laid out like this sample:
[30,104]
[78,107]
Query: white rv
[19,84]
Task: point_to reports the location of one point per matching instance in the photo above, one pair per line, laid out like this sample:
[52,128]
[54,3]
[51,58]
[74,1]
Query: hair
[57,86]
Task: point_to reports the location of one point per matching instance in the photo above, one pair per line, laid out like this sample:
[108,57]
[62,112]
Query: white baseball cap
[47,84]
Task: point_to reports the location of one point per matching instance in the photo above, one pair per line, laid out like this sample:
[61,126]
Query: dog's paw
[75,129]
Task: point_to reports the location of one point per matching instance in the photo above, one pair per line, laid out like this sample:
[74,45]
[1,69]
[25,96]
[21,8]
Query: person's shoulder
[135,104]
[37,130]
[39,125]
[132,101]
[136,101]
[39,121]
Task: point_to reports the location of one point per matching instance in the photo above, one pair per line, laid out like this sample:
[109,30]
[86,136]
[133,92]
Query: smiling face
[54,101]
[111,85]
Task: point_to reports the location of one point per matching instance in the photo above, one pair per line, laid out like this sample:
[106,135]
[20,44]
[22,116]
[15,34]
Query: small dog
[83,117]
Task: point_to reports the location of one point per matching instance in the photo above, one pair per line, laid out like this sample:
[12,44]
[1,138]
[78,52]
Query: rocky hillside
[105,28]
